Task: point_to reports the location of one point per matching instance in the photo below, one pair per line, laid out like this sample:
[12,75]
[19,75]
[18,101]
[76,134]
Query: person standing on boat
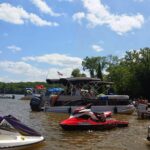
[77,91]
[91,92]
[73,90]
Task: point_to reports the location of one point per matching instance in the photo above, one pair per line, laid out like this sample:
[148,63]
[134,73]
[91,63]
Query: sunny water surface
[130,138]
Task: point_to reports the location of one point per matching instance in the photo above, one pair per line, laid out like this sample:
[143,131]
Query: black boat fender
[69,110]
[115,110]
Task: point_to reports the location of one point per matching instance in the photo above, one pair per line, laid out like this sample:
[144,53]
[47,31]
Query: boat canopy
[76,80]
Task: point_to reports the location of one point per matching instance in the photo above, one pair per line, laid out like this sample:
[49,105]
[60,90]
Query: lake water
[129,138]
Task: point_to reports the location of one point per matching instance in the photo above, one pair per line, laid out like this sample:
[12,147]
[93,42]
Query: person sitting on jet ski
[93,115]
[101,117]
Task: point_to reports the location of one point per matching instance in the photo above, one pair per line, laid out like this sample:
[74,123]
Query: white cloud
[17,15]
[97,48]
[23,70]
[14,48]
[26,71]
[40,22]
[42,5]
[56,59]
[78,16]
[18,67]
[97,14]
[6,79]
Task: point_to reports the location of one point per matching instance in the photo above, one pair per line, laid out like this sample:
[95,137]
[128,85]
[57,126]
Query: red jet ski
[88,120]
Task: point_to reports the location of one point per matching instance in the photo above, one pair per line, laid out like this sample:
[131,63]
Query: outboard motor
[36,103]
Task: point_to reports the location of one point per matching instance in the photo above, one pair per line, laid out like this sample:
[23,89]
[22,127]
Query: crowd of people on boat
[79,90]
[141,100]
[76,90]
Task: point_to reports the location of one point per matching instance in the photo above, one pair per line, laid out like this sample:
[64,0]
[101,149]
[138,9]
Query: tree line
[130,74]
[19,88]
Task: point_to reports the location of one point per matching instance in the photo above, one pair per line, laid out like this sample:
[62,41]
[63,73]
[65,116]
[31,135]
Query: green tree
[91,65]
[132,73]
[76,73]
[95,66]
[99,72]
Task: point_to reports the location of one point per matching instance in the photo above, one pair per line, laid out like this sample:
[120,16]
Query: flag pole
[59,74]
[47,75]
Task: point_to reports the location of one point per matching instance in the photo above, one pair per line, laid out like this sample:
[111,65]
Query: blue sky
[40,37]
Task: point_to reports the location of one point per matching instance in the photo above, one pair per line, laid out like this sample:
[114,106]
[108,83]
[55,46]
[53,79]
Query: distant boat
[31,92]
[28,94]
[16,134]
[4,96]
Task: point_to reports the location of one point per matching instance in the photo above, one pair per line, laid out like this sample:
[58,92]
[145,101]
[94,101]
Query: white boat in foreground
[15,134]
[9,141]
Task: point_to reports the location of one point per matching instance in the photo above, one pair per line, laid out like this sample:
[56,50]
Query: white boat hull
[127,109]
[12,141]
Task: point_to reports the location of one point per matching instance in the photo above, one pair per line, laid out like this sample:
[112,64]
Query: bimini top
[76,80]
